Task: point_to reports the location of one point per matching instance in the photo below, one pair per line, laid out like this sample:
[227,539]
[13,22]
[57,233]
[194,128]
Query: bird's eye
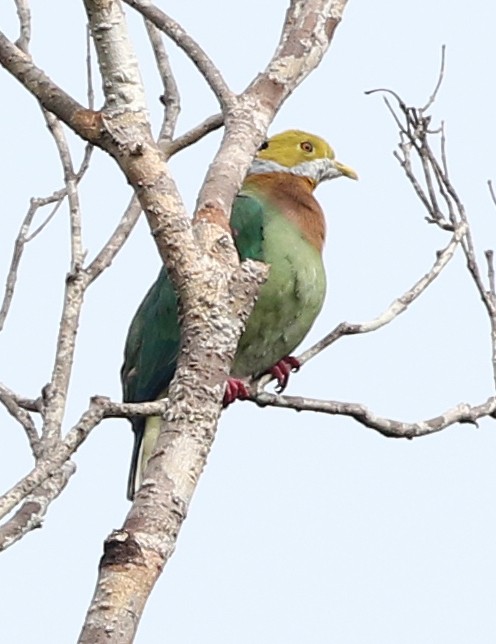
[306,146]
[264,146]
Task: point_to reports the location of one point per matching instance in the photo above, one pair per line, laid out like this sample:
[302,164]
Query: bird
[277,220]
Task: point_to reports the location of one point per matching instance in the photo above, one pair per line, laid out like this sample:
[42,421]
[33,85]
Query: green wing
[152,344]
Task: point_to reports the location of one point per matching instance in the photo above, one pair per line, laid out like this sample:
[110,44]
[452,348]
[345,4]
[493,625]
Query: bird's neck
[293,197]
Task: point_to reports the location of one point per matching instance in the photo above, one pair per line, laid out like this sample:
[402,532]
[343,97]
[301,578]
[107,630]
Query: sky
[304,527]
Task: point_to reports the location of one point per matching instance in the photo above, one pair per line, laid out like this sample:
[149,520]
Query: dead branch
[24,15]
[50,463]
[23,417]
[170,98]
[191,48]
[22,238]
[35,506]
[415,144]
[439,82]
[115,242]
[462,413]
[195,134]
[25,235]
[491,191]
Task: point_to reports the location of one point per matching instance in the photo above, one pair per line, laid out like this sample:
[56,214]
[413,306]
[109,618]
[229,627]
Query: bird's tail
[144,444]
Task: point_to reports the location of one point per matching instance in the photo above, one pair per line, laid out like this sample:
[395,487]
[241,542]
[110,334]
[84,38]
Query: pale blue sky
[304,528]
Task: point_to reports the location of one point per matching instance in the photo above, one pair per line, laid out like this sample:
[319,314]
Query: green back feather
[247,225]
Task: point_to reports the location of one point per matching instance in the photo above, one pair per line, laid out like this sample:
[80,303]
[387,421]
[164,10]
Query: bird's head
[301,154]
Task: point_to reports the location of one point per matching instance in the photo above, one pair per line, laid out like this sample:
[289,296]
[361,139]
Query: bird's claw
[235,389]
[281,371]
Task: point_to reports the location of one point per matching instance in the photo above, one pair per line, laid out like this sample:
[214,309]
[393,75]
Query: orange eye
[306,146]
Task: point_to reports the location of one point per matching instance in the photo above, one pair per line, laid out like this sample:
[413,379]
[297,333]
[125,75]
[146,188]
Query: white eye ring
[306,146]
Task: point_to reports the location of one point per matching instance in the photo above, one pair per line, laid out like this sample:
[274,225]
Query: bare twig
[100,407]
[193,136]
[89,70]
[71,185]
[22,238]
[192,49]
[51,96]
[35,506]
[170,98]
[462,413]
[90,92]
[415,133]
[46,221]
[491,191]
[24,14]
[385,90]
[51,462]
[17,411]
[56,391]
[433,96]
[116,240]
[490,271]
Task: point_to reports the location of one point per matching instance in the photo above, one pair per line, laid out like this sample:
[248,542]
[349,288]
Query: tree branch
[11,404]
[50,463]
[35,506]
[170,98]
[193,136]
[22,238]
[25,236]
[462,413]
[24,15]
[116,240]
[122,86]
[415,139]
[84,122]
[190,47]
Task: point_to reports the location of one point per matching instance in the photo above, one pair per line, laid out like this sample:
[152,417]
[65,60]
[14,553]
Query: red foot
[235,389]
[281,371]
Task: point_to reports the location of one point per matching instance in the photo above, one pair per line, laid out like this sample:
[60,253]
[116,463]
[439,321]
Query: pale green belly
[287,306]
